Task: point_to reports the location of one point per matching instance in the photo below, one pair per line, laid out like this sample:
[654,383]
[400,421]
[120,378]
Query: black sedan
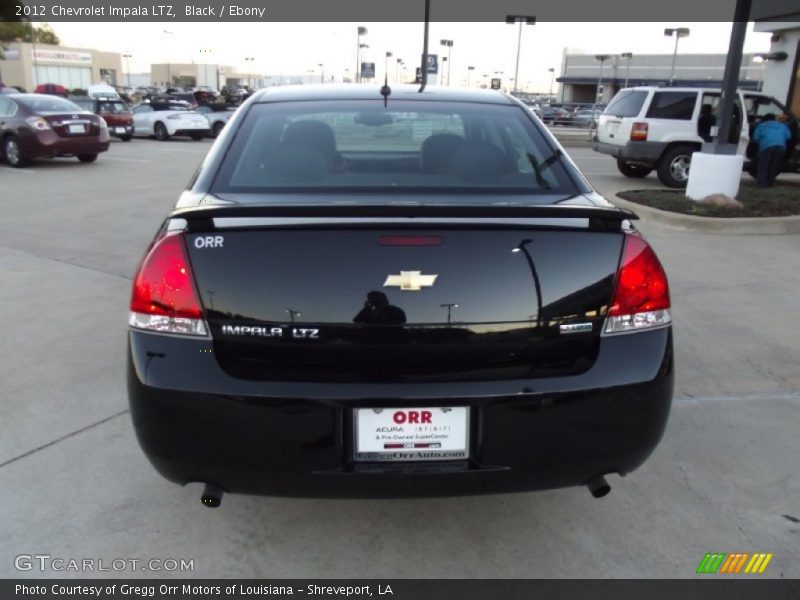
[396,295]
[44,126]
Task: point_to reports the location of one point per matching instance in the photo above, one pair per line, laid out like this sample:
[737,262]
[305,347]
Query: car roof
[331,91]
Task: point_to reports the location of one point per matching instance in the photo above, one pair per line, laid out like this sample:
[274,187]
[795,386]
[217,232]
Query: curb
[721,225]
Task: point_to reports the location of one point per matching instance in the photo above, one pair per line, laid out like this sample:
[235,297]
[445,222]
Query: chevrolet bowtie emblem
[410,281]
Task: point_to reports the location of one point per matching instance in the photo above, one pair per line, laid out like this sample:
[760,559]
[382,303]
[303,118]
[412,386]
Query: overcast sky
[294,48]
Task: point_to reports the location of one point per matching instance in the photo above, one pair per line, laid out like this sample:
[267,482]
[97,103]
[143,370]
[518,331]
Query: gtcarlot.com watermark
[46,562]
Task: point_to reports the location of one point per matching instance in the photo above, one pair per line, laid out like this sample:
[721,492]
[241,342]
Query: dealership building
[28,65]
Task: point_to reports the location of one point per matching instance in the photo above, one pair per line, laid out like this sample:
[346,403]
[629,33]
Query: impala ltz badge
[410,281]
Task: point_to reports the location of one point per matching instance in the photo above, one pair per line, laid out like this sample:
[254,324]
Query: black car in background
[45,126]
[399,295]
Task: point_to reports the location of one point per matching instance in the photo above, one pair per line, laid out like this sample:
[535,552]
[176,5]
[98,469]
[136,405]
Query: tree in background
[18,31]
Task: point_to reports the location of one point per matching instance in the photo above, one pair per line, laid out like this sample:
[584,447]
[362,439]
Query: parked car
[648,128]
[43,126]
[187,97]
[165,119]
[217,115]
[115,111]
[412,294]
[581,118]
[52,89]
[550,114]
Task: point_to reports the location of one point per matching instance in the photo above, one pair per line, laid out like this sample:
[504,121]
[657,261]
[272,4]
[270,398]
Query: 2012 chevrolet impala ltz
[389,293]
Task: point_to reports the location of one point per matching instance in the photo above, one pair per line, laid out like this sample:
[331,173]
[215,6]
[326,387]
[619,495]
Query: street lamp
[528,20]
[449,45]
[321,72]
[550,94]
[627,56]
[249,60]
[361,31]
[678,32]
[386,64]
[127,56]
[397,66]
[204,52]
[523,247]
[469,73]
[166,43]
[602,58]
[449,306]
[293,314]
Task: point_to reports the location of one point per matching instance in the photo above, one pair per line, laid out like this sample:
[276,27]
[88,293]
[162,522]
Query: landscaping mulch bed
[782,200]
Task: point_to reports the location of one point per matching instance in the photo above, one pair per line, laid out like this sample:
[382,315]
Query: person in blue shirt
[771,136]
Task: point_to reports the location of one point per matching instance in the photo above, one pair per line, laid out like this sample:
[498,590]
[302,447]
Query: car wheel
[197,136]
[160,131]
[217,128]
[634,171]
[87,158]
[13,154]
[673,168]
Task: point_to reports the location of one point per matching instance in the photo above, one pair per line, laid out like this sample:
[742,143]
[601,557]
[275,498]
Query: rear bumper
[48,144]
[197,424]
[640,153]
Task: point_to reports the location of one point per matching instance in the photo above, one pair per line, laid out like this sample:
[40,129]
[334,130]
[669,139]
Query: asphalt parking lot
[74,484]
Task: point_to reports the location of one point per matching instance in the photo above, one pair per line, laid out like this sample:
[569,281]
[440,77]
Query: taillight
[641,293]
[639,132]
[164,298]
[38,123]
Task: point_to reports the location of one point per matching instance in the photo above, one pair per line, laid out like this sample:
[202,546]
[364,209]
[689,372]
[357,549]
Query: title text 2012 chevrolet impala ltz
[398,294]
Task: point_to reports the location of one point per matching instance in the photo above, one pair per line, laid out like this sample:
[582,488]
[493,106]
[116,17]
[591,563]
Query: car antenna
[386,91]
[423,74]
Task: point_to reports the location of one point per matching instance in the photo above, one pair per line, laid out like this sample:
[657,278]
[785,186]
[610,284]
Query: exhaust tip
[598,486]
[212,495]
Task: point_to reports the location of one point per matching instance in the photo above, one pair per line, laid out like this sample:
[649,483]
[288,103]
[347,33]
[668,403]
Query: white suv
[648,128]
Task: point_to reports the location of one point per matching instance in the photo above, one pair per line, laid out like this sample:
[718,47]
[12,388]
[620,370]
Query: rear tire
[87,158]
[160,131]
[13,154]
[197,136]
[673,167]
[633,171]
[217,128]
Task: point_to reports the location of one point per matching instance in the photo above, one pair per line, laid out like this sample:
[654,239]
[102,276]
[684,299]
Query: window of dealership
[69,77]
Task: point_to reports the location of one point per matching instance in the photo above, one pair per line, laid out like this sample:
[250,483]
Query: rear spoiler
[201,218]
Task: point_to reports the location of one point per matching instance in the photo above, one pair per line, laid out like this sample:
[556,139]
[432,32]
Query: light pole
[166,43]
[321,72]
[397,66]
[386,64]
[602,58]
[33,44]
[627,56]
[127,56]
[205,52]
[293,314]
[249,60]
[678,32]
[469,74]
[360,31]
[449,306]
[528,20]
[449,45]
[550,93]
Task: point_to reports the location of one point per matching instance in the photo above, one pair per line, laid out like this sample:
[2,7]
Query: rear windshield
[43,104]
[407,146]
[114,107]
[626,103]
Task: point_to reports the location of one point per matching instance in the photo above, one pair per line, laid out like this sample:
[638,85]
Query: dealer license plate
[411,434]
[77,129]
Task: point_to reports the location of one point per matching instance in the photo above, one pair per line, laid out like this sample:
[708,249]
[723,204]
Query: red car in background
[53,89]
[42,126]
[115,111]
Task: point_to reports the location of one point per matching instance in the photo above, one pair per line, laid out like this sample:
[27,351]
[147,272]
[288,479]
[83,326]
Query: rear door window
[627,103]
[672,105]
